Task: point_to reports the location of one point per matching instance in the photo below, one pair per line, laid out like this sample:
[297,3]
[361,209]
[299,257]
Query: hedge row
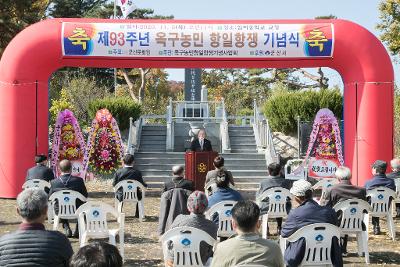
[120,107]
[282,108]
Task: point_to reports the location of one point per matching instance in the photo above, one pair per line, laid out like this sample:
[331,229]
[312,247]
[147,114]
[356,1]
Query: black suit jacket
[127,173]
[178,182]
[74,183]
[195,146]
[40,172]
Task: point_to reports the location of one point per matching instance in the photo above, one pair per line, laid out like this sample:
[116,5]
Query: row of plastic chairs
[92,216]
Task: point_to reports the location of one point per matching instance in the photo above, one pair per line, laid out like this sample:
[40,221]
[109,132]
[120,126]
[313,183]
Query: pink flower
[105,154]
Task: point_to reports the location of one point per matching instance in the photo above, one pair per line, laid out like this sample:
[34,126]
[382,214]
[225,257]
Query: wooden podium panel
[197,164]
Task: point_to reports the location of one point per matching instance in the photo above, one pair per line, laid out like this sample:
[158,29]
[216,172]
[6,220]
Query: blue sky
[363,12]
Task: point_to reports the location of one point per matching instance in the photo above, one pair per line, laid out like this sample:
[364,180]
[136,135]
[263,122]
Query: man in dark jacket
[273,180]
[40,171]
[395,175]
[178,181]
[128,172]
[201,143]
[379,179]
[32,244]
[68,182]
[342,191]
[308,212]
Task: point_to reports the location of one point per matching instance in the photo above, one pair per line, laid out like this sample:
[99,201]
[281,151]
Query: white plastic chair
[66,205]
[224,210]
[297,171]
[186,245]
[129,189]
[354,215]
[318,238]
[277,199]
[92,218]
[42,184]
[397,199]
[381,206]
[325,184]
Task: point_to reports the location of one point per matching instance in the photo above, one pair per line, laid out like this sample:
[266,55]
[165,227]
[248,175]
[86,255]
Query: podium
[197,164]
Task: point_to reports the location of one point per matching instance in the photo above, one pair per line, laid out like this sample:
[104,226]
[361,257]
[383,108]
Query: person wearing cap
[395,175]
[342,191]
[178,180]
[196,204]
[40,171]
[247,248]
[379,179]
[307,212]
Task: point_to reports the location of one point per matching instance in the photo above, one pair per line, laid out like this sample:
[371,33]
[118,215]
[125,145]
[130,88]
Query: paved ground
[142,247]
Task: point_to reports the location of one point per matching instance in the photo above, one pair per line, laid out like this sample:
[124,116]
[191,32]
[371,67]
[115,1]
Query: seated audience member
[379,179]
[197,204]
[247,247]
[128,172]
[223,193]
[201,143]
[173,203]
[308,212]
[99,254]
[178,180]
[342,191]
[395,175]
[40,171]
[273,180]
[219,171]
[68,182]
[32,244]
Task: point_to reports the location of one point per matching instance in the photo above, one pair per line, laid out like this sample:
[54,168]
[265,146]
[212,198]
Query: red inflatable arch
[35,53]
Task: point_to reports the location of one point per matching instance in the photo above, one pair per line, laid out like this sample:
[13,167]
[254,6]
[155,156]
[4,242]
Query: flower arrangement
[325,141]
[68,141]
[104,146]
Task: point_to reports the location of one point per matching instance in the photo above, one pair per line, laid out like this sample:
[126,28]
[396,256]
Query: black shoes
[76,233]
[67,232]
[377,230]
[279,230]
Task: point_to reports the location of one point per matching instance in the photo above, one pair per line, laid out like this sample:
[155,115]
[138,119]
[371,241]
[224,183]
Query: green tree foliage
[59,104]
[390,24]
[74,8]
[284,106]
[122,108]
[16,15]
[250,84]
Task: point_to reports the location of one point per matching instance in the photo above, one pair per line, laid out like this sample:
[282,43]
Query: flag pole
[115,69]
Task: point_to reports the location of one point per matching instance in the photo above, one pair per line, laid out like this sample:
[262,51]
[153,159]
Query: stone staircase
[242,139]
[153,138]
[247,166]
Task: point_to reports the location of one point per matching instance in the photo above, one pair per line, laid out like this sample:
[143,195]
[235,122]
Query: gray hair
[177,169]
[32,203]
[343,173]
[395,163]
